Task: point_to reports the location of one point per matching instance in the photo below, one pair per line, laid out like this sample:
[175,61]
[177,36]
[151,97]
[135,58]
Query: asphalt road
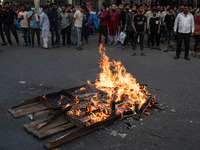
[176,83]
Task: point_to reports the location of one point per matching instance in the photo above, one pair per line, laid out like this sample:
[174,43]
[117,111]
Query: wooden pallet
[31,106]
[59,120]
[55,123]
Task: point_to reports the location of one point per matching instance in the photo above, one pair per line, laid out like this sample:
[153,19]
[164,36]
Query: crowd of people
[161,24]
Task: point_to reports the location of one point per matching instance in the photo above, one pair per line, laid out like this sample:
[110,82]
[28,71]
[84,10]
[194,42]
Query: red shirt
[103,18]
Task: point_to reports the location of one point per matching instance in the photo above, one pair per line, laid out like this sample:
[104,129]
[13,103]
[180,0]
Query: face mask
[32,9]
[127,9]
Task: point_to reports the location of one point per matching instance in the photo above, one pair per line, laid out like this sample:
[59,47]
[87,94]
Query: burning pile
[114,92]
[114,87]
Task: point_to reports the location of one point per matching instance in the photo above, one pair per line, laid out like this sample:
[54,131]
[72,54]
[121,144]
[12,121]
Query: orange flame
[120,86]
[118,82]
[59,102]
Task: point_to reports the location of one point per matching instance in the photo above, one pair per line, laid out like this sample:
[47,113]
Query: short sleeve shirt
[169,20]
[24,21]
[154,24]
[139,21]
[33,22]
[86,16]
[78,19]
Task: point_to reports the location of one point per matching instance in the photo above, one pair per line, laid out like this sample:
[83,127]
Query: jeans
[54,32]
[26,34]
[67,31]
[11,27]
[141,34]
[73,37]
[129,35]
[197,40]
[170,35]
[2,36]
[78,32]
[155,36]
[180,38]
[33,31]
[85,33]
[163,34]
[103,30]
[148,38]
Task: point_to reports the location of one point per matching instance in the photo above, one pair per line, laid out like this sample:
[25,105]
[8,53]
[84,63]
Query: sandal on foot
[143,54]
[133,54]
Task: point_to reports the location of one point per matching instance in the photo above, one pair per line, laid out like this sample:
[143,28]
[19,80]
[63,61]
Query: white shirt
[78,19]
[184,23]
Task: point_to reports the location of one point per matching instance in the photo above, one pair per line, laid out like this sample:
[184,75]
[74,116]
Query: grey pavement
[176,83]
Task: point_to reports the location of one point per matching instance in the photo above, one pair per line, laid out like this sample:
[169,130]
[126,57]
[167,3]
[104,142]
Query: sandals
[143,54]
[134,54]
[194,55]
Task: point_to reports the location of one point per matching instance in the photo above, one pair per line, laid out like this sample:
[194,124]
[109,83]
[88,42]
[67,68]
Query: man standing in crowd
[8,23]
[23,18]
[34,25]
[65,25]
[53,18]
[40,10]
[85,29]
[139,26]
[113,25]
[197,33]
[44,24]
[77,25]
[123,16]
[180,9]
[103,25]
[169,24]
[149,14]
[128,26]
[1,29]
[73,32]
[185,24]
[154,30]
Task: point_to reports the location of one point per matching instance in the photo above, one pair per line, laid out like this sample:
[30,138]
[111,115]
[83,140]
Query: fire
[59,102]
[118,82]
[120,86]
[44,97]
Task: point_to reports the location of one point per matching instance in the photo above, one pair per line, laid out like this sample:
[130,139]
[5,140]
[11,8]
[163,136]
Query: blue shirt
[33,22]
[86,16]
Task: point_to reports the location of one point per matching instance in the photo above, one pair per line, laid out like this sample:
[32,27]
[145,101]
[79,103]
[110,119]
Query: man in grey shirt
[65,25]
[128,26]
